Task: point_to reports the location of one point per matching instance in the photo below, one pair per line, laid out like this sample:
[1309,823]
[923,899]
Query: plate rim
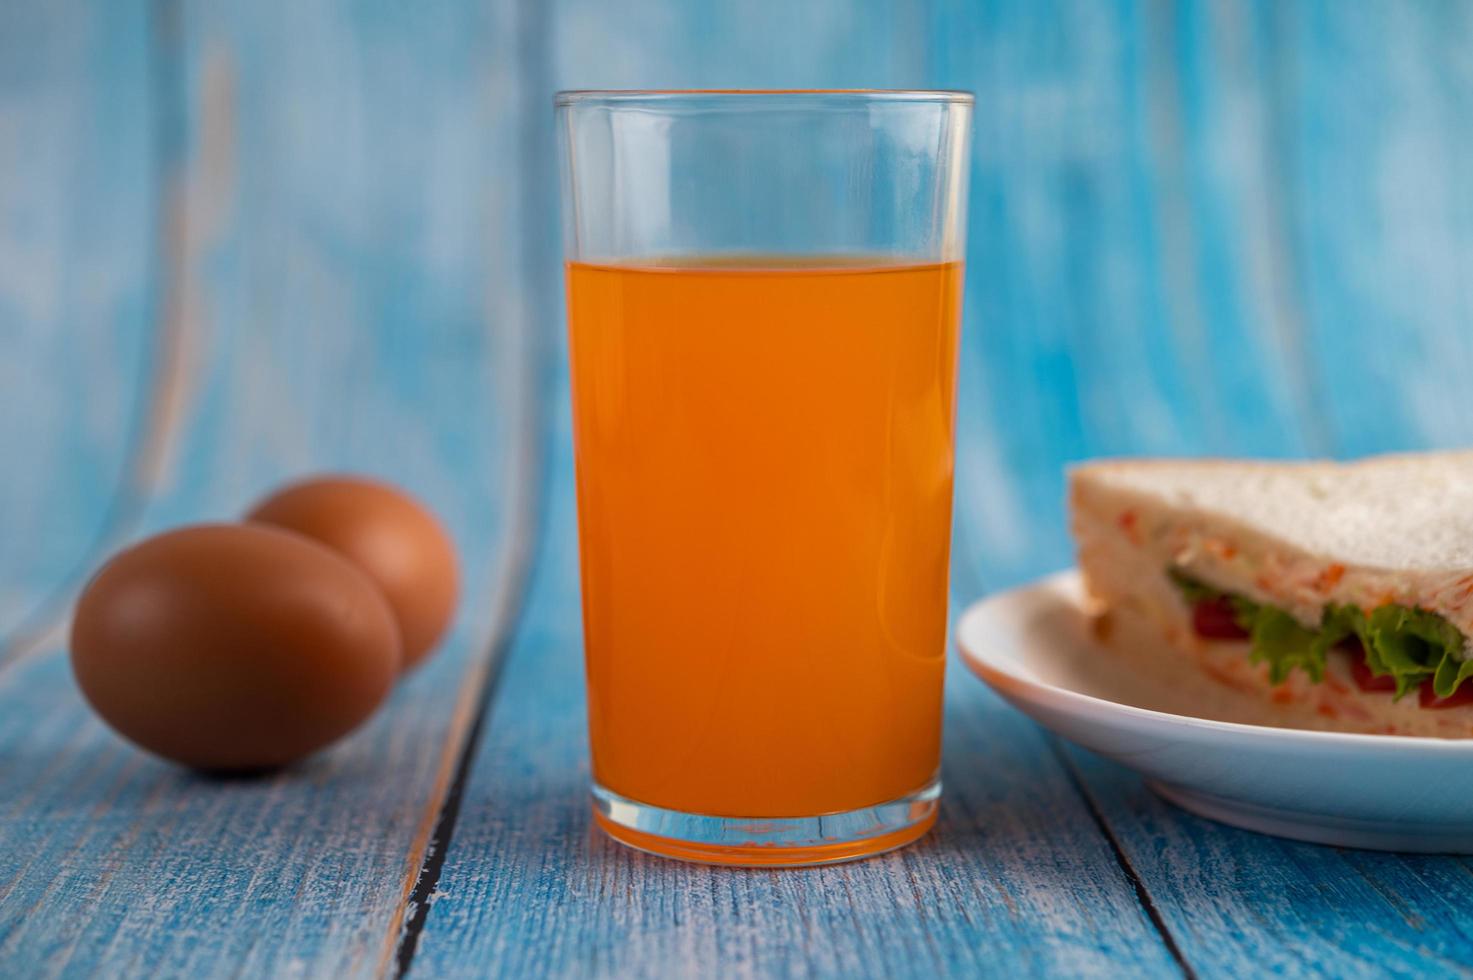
[1068,580]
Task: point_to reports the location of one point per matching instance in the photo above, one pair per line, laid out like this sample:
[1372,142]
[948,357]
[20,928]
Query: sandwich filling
[1394,648]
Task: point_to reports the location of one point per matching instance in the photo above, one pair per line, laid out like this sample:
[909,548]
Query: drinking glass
[764,293]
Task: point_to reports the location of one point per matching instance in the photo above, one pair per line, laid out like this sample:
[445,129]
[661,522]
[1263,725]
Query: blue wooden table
[243,242]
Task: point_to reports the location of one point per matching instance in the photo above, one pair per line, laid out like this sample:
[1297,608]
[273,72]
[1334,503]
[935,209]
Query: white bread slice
[1298,535]
[1407,511]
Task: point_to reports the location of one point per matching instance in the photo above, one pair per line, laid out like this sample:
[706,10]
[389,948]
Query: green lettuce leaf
[1339,623]
[1449,675]
[1281,640]
[1413,645]
[1405,643]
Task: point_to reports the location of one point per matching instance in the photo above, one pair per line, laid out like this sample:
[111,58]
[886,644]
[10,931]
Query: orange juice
[764,467]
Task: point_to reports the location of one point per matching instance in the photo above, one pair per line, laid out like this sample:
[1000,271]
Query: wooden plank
[78,148]
[1016,878]
[1237,903]
[1117,258]
[1373,110]
[1152,282]
[349,294]
[763,44]
[1214,84]
[1121,296]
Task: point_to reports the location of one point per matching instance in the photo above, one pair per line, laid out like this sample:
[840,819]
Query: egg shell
[233,647]
[394,538]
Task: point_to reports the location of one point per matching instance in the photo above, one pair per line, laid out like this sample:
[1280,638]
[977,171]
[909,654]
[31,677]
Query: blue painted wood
[1197,227]
[1136,263]
[1274,372]
[1356,123]
[1373,102]
[1121,293]
[1016,879]
[766,44]
[1255,352]
[346,295]
[1133,288]
[114,863]
[529,888]
[78,295]
[1239,904]
[351,271]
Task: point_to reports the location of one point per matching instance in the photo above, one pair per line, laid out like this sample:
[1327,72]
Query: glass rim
[636,96]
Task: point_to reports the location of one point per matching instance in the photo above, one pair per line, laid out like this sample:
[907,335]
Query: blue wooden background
[240,242]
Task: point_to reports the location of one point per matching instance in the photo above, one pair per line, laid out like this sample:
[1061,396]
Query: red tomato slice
[1214,619]
[1428,698]
[1360,671]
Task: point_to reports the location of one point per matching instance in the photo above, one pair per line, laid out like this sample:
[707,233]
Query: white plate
[1032,645]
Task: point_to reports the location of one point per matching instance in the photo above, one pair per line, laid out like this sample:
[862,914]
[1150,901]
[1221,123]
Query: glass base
[767,842]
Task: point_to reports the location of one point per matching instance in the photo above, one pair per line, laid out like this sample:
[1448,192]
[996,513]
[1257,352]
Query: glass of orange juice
[764,293]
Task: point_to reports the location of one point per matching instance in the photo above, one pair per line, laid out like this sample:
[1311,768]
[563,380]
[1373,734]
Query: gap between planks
[157,416]
[527,489]
[530,486]
[432,841]
[1142,893]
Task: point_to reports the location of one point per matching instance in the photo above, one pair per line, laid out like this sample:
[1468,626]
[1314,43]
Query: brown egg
[233,647]
[388,534]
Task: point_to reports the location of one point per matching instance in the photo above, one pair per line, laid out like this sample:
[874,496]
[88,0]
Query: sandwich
[1334,596]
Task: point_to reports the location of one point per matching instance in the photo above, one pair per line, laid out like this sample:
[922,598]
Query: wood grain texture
[528,888]
[1015,879]
[348,288]
[1122,290]
[1241,904]
[78,296]
[1374,101]
[766,43]
[1135,286]
[1375,329]
[240,242]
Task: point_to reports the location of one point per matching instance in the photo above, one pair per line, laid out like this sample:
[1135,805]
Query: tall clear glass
[764,293]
